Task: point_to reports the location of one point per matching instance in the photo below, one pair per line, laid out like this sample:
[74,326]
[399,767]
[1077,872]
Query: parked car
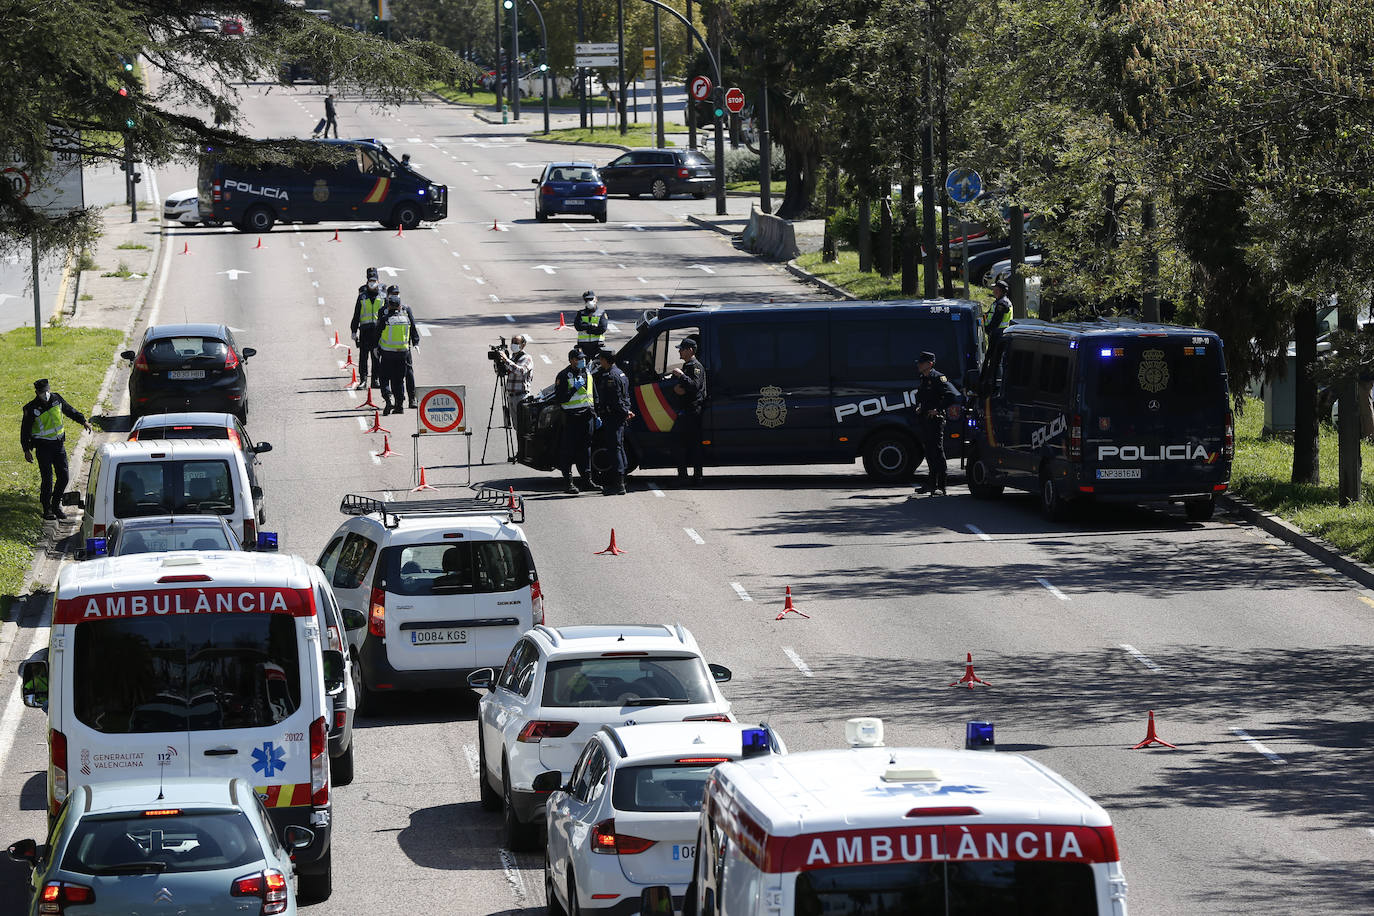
[188,367]
[184,207]
[159,533]
[1002,269]
[660,172]
[231,27]
[569,187]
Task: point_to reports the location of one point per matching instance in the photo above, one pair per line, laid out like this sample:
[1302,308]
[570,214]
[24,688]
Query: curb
[623,149]
[1309,544]
[808,277]
[707,224]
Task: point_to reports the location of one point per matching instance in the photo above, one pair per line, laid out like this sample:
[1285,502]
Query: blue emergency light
[1105,351]
[97,547]
[978,737]
[267,540]
[755,741]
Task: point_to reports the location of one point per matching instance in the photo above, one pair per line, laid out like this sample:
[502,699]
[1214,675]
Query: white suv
[560,685]
[627,817]
[447,586]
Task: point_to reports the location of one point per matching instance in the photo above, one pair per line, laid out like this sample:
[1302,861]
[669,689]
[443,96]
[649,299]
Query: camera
[495,352]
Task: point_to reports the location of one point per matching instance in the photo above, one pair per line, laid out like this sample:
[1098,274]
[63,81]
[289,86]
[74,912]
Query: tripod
[498,388]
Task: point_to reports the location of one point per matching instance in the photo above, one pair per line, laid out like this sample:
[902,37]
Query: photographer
[518,369]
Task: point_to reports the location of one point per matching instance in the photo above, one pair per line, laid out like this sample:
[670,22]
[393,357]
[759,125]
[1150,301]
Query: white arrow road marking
[546,268]
[232,274]
[739,590]
[390,271]
[700,267]
[797,660]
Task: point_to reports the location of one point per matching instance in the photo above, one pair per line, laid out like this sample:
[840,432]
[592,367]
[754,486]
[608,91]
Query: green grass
[75,359]
[638,135]
[844,272]
[751,187]
[122,272]
[86,262]
[485,98]
[131,246]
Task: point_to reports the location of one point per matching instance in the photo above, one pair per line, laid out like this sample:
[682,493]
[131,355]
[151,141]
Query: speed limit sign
[701,88]
[17,180]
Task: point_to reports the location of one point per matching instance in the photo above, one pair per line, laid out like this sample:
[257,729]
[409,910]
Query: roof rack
[488,501]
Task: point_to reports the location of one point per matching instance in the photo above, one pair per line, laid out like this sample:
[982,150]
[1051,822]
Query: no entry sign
[442,409]
[701,88]
[734,99]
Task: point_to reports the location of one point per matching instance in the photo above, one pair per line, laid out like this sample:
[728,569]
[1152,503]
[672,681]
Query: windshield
[660,787]
[135,676]
[131,843]
[172,537]
[171,487]
[1170,376]
[642,680]
[955,889]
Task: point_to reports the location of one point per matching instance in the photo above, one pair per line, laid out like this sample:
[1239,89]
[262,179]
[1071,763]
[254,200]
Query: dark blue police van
[362,181]
[788,384]
[1108,410]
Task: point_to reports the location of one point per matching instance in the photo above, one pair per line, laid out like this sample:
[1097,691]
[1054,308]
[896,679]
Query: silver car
[186,845]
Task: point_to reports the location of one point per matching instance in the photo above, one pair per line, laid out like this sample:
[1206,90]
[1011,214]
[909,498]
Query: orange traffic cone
[369,402]
[423,485]
[353,379]
[969,678]
[787,607]
[386,451]
[561,323]
[336,236]
[259,244]
[611,548]
[349,364]
[335,345]
[185,247]
[511,504]
[376,422]
[1151,737]
[400,231]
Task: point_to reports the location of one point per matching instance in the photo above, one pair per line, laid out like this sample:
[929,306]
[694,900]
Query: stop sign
[701,88]
[734,99]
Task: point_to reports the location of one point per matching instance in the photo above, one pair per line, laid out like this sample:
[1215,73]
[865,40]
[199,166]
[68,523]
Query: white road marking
[1051,589]
[232,274]
[304,256]
[388,495]
[1141,657]
[546,360]
[443,241]
[622,267]
[486,178]
[653,488]
[423,329]
[500,187]
[493,297]
[467,267]
[300,243]
[510,318]
[1243,735]
[315,283]
[480,281]
[641,280]
[634,226]
[455,254]
[310,270]
[414,140]
[664,296]
[512,872]
[326,317]
[319,300]
[362,424]
[470,753]
[376,459]
[611,327]
[739,590]
[546,268]
[700,267]
[696,538]
[797,660]
[978,531]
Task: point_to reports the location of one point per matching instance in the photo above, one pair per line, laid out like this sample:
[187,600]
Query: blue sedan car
[570,187]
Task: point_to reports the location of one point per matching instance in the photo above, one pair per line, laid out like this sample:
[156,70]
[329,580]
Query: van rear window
[955,889]
[474,567]
[136,676]
[172,487]
[1125,375]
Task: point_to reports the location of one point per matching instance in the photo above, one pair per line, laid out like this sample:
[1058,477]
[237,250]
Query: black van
[788,383]
[1108,410]
[370,184]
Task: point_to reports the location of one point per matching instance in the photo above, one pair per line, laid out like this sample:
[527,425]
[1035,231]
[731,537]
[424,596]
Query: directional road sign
[734,99]
[597,60]
[701,88]
[963,185]
[596,47]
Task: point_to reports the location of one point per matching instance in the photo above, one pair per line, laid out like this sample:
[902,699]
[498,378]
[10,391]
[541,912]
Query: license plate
[438,637]
[684,852]
[1118,473]
[186,373]
[575,203]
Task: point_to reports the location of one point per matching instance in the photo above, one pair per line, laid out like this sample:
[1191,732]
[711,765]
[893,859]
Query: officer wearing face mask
[573,389]
[519,375]
[366,325]
[41,431]
[394,290]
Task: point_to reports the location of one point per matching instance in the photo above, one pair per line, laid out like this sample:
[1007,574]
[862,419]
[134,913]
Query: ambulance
[874,829]
[207,664]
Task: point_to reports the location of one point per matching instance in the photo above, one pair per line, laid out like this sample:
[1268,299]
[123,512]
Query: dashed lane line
[978,531]
[546,360]
[327,322]
[653,488]
[696,538]
[1051,589]
[797,660]
[1257,745]
[739,590]
[512,873]
[1141,657]
[470,753]
[362,424]
[510,318]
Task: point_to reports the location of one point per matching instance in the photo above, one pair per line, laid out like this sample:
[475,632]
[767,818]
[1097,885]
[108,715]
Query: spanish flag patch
[655,408]
[378,192]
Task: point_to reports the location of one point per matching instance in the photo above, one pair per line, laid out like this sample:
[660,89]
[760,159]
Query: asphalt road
[1256,662]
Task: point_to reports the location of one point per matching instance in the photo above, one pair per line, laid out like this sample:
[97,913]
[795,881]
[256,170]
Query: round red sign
[441,410]
[701,88]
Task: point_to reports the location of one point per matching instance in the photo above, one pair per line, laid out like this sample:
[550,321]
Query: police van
[787,384]
[1107,410]
[353,180]
[874,829]
[195,664]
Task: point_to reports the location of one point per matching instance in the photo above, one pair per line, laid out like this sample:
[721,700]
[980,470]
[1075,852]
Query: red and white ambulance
[195,664]
[874,829]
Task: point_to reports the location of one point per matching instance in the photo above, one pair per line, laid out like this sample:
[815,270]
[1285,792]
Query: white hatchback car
[627,817]
[560,685]
[184,206]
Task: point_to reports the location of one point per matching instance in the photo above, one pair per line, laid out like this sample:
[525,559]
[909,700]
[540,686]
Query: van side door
[647,366]
[1017,414]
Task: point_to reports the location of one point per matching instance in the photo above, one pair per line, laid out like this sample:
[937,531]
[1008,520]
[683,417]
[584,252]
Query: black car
[660,172]
[188,367]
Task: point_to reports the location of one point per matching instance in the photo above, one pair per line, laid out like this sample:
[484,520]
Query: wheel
[541,216]
[406,215]
[601,217]
[260,219]
[555,908]
[520,837]
[341,767]
[891,457]
[490,800]
[316,886]
[699,195]
[573,908]
[369,700]
[980,479]
[1200,510]
[1052,503]
[659,189]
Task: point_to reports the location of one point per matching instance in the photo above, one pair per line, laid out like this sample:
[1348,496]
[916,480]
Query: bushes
[742,165]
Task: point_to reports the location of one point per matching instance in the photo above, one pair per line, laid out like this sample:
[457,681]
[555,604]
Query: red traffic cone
[335,345]
[400,231]
[386,451]
[376,426]
[369,402]
[495,226]
[336,236]
[787,607]
[611,548]
[511,504]
[353,379]
[185,247]
[969,677]
[423,485]
[1151,737]
[348,363]
[259,244]
[561,323]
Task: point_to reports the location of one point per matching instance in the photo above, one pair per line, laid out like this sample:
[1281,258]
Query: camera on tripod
[495,352]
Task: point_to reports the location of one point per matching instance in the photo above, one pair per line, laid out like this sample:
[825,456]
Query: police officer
[366,323]
[397,336]
[996,319]
[613,410]
[41,431]
[689,382]
[573,389]
[394,290]
[590,324]
[934,397]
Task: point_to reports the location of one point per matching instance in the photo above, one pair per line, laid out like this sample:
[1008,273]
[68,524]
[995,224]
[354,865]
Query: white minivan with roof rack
[448,586]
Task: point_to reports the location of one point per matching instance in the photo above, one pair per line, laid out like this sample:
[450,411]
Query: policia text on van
[351,180]
[795,383]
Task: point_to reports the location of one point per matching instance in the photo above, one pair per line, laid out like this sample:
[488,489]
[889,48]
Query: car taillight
[600,189]
[141,362]
[376,615]
[539,729]
[231,359]
[1076,439]
[607,842]
[250,533]
[319,763]
[269,886]
[57,756]
[683,173]
[57,895]
[234,437]
[710,717]
[1228,442]
[548,189]
[216,193]
[536,603]
[97,531]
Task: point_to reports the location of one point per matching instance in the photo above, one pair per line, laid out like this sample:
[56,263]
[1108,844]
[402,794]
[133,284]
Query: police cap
[393,301]
[393,290]
[926,357]
[688,342]
[607,354]
[589,296]
[574,353]
[372,273]
[41,385]
[1000,284]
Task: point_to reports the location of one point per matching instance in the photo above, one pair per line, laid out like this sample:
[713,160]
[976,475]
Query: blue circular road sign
[963,185]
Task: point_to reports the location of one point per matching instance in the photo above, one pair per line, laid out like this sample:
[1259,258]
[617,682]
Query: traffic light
[127,62]
[720,112]
[543,67]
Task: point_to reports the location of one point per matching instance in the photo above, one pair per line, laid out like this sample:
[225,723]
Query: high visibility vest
[586,328]
[49,424]
[395,334]
[990,320]
[370,309]
[582,393]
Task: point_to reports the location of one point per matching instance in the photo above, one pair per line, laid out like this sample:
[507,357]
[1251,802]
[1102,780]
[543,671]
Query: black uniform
[590,322]
[575,444]
[613,409]
[1001,308]
[687,427]
[393,365]
[51,453]
[934,396]
[365,332]
[410,356]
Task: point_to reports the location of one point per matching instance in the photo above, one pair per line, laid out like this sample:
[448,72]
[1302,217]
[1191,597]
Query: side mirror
[353,620]
[297,837]
[267,540]
[719,673]
[33,675]
[550,781]
[74,499]
[482,679]
[262,447]
[534,181]
[247,352]
[971,378]
[333,669]
[256,492]
[656,901]
[130,355]
[25,851]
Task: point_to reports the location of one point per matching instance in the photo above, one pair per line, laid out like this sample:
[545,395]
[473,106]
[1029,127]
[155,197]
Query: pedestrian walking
[329,117]
[613,412]
[395,341]
[366,325]
[519,376]
[590,325]
[996,319]
[935,396]
[394,290]
[41,433]
[573,389]
[689,383]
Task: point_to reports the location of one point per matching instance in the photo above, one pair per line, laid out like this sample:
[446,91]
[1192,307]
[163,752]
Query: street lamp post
[620,49]
[544,67]
[581,71]
[512,66]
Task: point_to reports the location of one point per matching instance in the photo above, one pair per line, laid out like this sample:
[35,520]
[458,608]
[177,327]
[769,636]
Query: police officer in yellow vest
[397,336]
[366,324]
[41,431]
[590,325]
[996,319]
[573,389]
